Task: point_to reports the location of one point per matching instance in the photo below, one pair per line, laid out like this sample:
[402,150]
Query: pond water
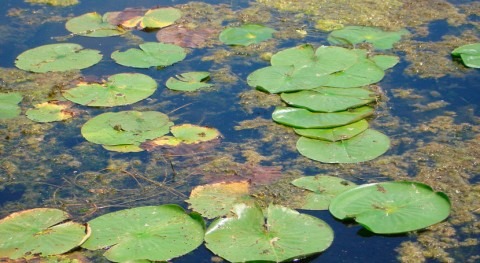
[428,107]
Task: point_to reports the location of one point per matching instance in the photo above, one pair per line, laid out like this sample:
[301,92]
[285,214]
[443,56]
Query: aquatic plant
[352,35]
[50,111]
[246,34]
[40,232]
[470,54]
[9,105]
[336,133]
[392,207]
[150,54]
[118,89]
[93,25]
[57,57]
[140,19]
[189,81]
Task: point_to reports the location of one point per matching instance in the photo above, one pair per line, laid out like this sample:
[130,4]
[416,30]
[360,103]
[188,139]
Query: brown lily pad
[188,37]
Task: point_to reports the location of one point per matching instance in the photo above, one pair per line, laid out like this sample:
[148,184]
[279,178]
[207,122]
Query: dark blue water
[221,109]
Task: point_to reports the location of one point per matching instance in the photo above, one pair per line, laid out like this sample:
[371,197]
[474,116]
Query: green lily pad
[335,134]
[362,73]
[392,207]
[216,200]
[126,127]
[279,235]
[119,89]
[190,81]
[352,35]
[302,118]
[150,54]
[246,35]
[124,148]
[277,79]
[93,25]
[9,105]
[57,57]
[39,232]
[189,133]
[385,61]
[322,189]
[154,18]
[327,99]
[155,233]
[470,54]
[366,146]
[50,111]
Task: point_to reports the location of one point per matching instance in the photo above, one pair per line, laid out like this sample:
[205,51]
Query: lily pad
[302,118]
[189,133]
[126,127]
[321,190]
[93,25]
[57,57]
[155,233]
[392,207]
[119,89]
[327,99]
[124,148]
[385,61]
[216,200]
[246,34]
[277,79]
[154,18]
[150,54]
[352,35]
[470,54]
[335,134]
[9,105]
[39,231]
[366,146]
[54,2]
[50,111]
[190,81]
[278,235]
[362,73]
[197,37]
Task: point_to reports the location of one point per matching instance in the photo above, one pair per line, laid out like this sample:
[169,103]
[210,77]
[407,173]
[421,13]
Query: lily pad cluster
[352,35]
[326,100]
[470,54]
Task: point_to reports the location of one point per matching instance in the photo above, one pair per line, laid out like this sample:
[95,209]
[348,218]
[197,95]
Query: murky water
[429,109]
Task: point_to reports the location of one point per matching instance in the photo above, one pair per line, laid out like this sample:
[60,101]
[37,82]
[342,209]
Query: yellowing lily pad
[9,105]
[50,111]
[119,89]
[93,25]
[39,231]
[57,57]
[189,133]
[216,200]
[154,18]
[190,81]
[150,54]
[54,2]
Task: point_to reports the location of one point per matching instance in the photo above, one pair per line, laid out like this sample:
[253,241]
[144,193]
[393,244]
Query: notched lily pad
[278,235]
[246,34]
[392,207]
[335,134]
[150,54]
[321,190]
[302,118]
[50,111]
[352,35]
[93,25]
[155,233]
[39,232]
[327,99]
[119,89]
[57,57]
[153,18]
[216,200]
[470,54]
[9,105]
[363,147]
[189,81]
[126,127]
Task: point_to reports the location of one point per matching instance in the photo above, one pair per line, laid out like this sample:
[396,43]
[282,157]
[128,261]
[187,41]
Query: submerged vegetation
[115,146]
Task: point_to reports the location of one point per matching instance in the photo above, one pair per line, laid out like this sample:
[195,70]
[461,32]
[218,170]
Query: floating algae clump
[54,2]
[389,14]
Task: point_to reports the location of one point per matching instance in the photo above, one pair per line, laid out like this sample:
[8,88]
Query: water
[430,112]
